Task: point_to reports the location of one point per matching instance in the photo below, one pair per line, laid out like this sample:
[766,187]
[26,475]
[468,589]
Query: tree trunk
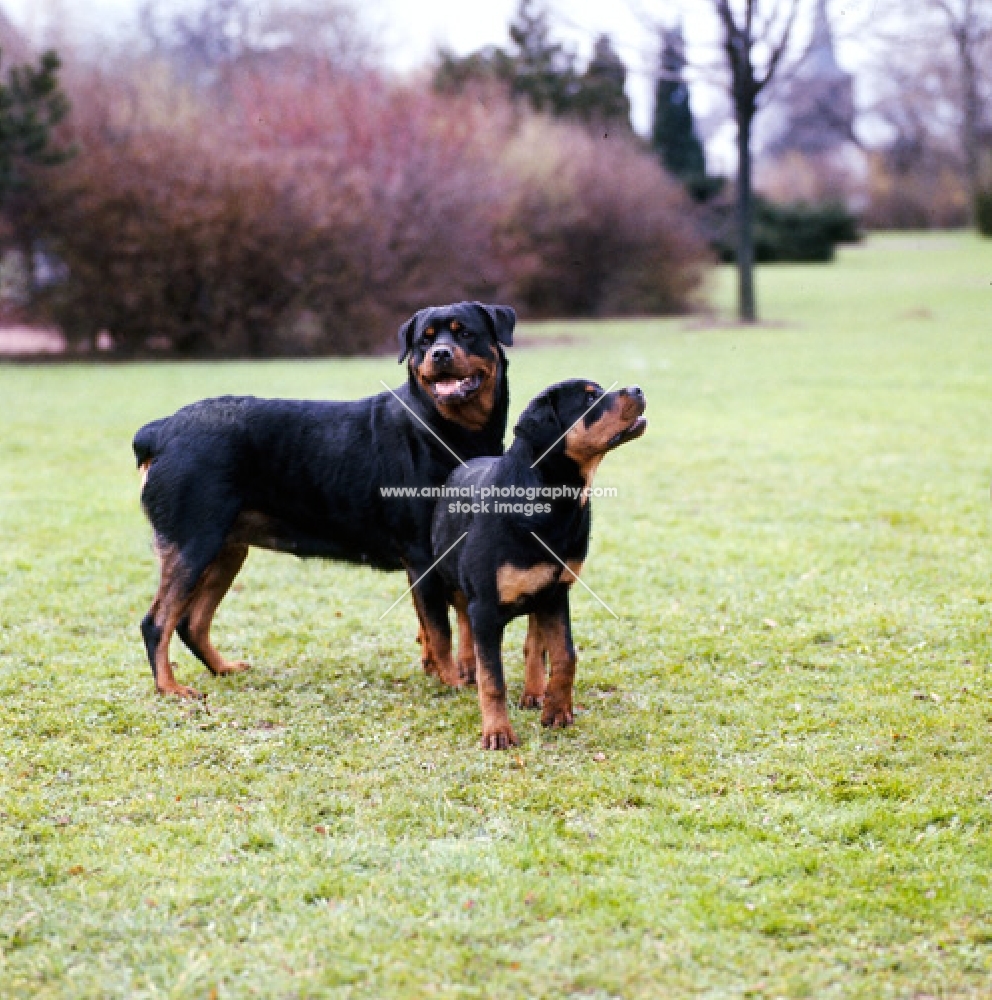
[746,305]
[972,121]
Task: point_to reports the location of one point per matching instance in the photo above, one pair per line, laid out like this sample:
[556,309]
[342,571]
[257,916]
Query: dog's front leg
[556,632]
[497,733]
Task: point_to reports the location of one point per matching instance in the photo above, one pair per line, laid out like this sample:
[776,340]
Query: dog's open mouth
[635,430]
[456,390]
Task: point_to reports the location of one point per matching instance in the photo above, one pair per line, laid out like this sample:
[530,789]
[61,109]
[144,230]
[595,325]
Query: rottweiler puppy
[515,537]
[222,475]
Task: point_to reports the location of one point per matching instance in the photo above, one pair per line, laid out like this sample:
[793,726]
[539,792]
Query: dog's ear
[502,319]
[406,334]
[539,424]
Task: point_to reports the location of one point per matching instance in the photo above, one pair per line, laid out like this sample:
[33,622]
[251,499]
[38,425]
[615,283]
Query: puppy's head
[456,356]
[579,420]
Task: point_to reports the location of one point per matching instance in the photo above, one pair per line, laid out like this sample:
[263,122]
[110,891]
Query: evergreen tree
[600,97]
[32,105]
[543,70]
[673,134]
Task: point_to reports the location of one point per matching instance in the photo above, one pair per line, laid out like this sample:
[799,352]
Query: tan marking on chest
[574,571]
[514,583]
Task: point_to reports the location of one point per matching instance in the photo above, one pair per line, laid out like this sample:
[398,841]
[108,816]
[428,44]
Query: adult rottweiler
[515,538]
[306,477]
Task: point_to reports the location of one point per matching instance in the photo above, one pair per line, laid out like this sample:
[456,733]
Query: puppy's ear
[407,330]
[502,319]
[539,424]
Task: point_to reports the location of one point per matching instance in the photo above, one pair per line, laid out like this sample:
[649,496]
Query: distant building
[809,151]
[818,106]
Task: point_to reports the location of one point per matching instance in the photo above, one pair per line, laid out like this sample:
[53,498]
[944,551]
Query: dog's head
[456,357]
[578,420]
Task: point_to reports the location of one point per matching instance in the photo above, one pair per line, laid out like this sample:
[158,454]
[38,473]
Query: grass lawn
[780,779]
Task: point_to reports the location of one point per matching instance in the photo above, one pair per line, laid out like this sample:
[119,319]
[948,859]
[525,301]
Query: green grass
[780,781]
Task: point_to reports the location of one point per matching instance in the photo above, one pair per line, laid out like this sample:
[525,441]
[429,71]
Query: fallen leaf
[76,870]
[322,830]
[469,904]
[599,756]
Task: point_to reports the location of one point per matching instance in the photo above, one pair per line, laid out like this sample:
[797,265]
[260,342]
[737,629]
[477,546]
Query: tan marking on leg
[168,609]
[497,733]
[466,642]
[210,591]
[574,571]
[435,650]
[558,699]
[535,669]
[144,467]
[512,582]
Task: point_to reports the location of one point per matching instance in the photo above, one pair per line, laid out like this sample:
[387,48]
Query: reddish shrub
[310,214]
[599,228]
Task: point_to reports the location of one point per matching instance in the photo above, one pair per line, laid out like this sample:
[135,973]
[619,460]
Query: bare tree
[969,27]
[754,45]
[933,81]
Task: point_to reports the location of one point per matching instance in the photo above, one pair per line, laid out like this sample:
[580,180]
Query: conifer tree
[673,133]
[32,104]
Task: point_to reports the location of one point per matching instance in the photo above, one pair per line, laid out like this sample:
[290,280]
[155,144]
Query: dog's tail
[145,442]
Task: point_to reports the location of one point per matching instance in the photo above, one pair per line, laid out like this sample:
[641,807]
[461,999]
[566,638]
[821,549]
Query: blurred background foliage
[247,179]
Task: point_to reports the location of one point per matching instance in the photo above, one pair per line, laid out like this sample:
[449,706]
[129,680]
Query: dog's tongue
[452,386]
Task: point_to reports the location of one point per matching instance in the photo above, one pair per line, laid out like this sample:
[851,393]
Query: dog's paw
[499,738]
[231,667]
[529,700]
[557,716]
[182,691]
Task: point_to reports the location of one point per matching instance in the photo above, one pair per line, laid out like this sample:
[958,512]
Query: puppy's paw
[181,691]
[231,667]
[557,716]
[531,700]
[499,738]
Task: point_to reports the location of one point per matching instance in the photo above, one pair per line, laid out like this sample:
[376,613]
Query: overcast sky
[413,29]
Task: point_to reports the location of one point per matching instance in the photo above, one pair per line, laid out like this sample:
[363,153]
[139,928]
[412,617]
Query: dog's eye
[591,396]
[429,333]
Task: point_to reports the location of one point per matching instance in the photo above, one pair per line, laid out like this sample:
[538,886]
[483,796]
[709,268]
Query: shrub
[794,233]
[597,228]
[310,213]
[927,193]
[295,227]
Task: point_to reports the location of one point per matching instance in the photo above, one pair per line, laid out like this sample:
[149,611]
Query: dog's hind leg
[171,601]
[466,641]
[194,627]
[535,666]
[431,603]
